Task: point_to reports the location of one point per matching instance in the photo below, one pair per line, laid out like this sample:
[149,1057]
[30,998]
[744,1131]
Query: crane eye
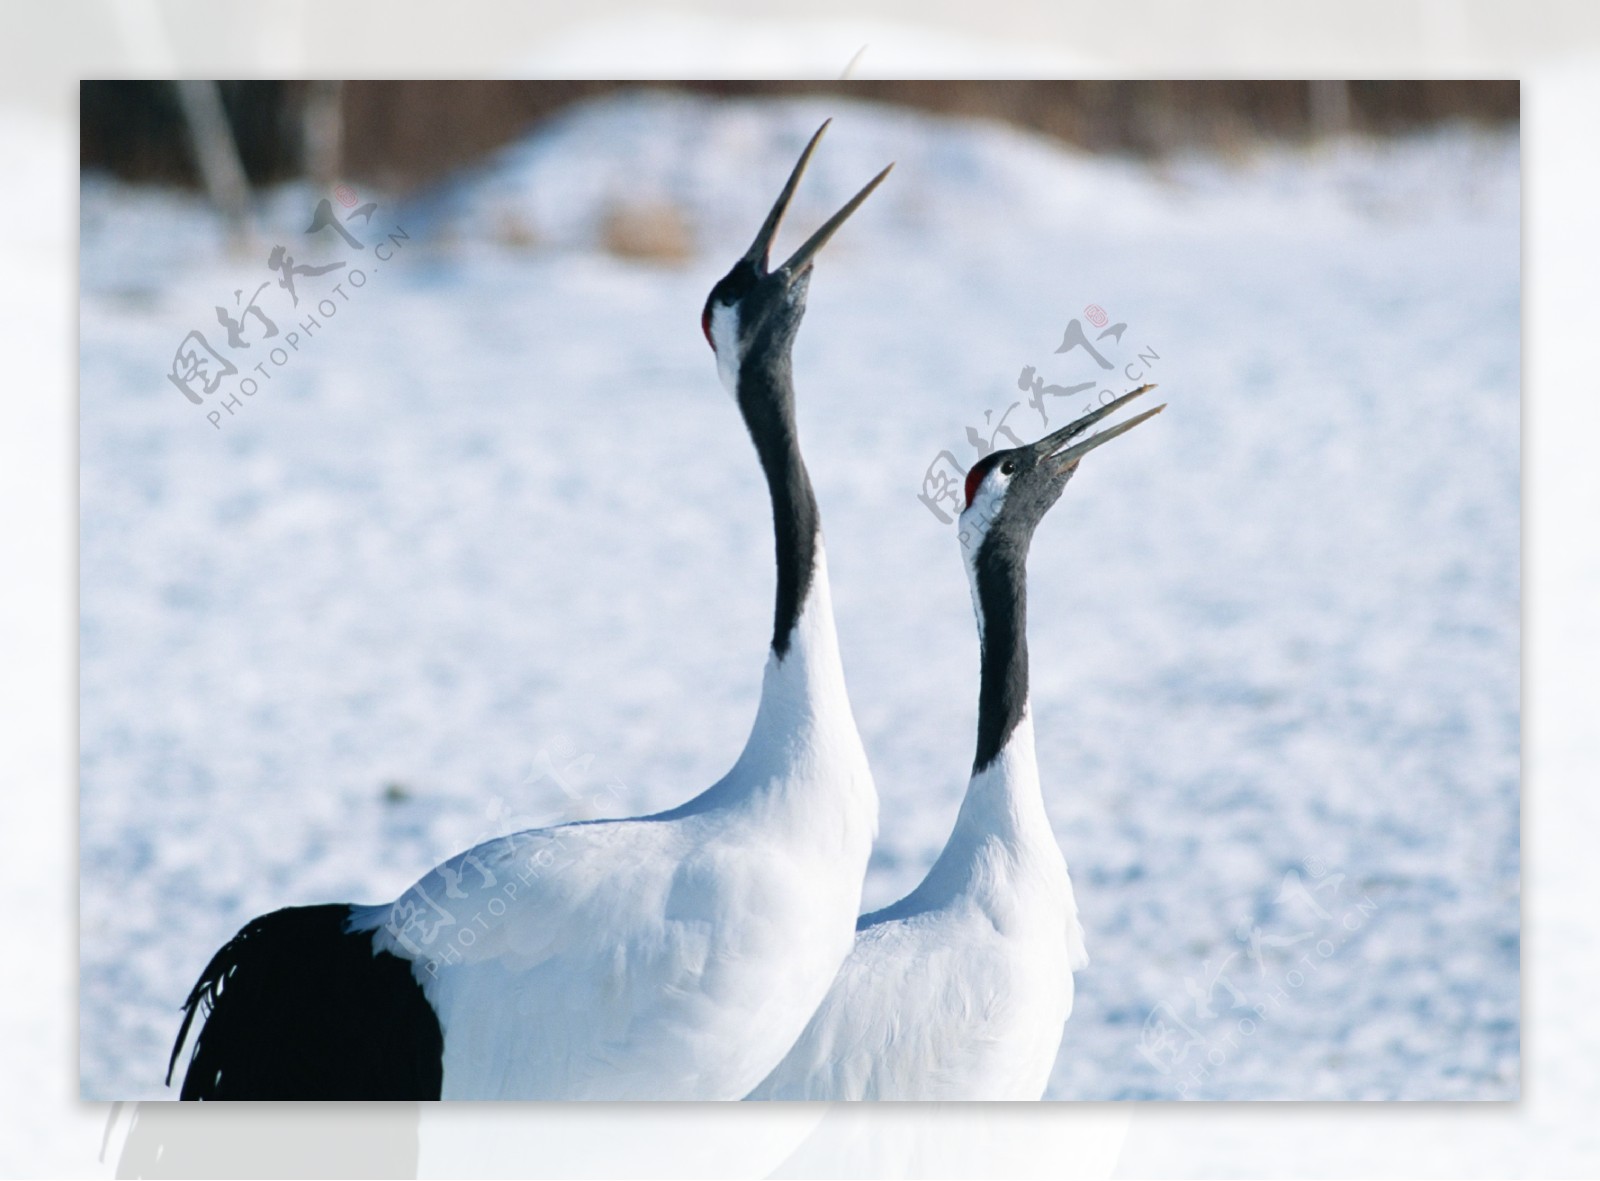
[1009,466]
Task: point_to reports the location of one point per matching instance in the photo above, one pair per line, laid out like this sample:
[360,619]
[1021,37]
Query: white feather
[725,343]
[668,957]
[961,989]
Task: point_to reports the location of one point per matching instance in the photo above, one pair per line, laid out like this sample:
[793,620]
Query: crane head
[756,305]
[1010,491]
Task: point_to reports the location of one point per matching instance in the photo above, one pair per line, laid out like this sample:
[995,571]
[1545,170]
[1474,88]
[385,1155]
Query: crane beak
[1067,460]
[801,259]
[760,251]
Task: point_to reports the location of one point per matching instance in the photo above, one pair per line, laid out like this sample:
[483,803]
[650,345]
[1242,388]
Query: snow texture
[491,548]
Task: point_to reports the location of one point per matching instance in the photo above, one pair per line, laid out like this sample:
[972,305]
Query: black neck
[766,399]
[1001,594]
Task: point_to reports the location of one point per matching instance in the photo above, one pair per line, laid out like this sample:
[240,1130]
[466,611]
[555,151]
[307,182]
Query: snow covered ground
[490,547]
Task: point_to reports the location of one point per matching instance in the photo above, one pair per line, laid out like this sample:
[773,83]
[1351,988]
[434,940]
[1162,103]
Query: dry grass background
[403,134]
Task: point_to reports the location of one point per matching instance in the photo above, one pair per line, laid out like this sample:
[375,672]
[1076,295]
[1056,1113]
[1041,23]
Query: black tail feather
[294,1007]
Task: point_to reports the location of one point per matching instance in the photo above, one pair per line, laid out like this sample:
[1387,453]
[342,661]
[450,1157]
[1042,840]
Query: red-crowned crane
[673,956]
[962,988]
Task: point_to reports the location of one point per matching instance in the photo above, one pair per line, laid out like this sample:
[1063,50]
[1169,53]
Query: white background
[1553,48]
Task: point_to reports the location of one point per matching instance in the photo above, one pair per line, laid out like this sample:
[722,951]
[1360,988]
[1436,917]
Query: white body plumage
[961,989]
[667,957]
